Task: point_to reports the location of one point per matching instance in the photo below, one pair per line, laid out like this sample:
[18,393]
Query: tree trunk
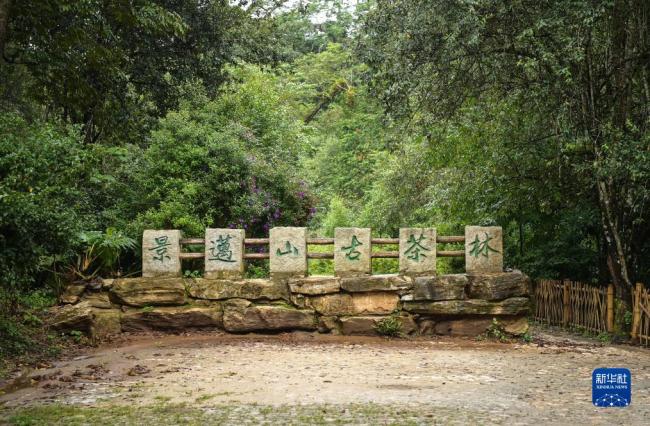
[5,6]
[617,255]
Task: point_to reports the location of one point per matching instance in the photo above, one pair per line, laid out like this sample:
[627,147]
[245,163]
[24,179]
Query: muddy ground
[289,377]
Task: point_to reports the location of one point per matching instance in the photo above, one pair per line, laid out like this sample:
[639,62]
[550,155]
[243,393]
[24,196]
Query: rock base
[453,305]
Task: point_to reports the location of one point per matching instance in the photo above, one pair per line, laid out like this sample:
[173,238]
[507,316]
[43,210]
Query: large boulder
[315,285]
[172,318]
[367,325]
[443,287]
[71,317]
[511,306]
[141,292]
[376,283]
[498,286]
[355,304]
[252,289]
[242,316]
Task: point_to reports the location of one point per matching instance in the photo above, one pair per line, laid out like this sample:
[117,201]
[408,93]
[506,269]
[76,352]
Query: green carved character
[288,249]
[221,249]
[482,248]
[160,248]
[350,251]
[413,252]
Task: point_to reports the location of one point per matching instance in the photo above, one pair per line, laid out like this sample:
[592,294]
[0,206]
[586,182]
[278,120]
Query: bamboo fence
[641,315]
[575,304]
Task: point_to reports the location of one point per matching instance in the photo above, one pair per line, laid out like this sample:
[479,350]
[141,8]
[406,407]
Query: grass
[172,414]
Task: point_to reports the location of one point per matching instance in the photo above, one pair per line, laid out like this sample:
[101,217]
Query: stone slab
[516,326]
[483,249]
[141,292]
[355,304]
[315,285]
[160,253]
[72,293]
[417,251]
[97,299]
[388,282]
[242,316]
[105,323]
[172,318]
[71,317]
[352,248]
[512,306]
[329,324]
[288,252]
[443,287]
[251,289]
[367,325]
[498,286]
[224,253]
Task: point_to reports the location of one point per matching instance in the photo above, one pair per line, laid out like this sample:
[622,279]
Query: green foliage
[389,326]
[100,253]
[224,163]
[523,95]
[42,202]
[114,67]
[496,331]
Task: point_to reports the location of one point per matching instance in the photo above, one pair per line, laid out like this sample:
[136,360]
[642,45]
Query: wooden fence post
[566,304]
[636,311]
[610,308]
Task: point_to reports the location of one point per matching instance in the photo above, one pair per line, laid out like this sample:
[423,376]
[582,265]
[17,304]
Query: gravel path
[296,375]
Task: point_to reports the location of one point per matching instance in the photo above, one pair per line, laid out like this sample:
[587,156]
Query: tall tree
[113,66]
[584,64]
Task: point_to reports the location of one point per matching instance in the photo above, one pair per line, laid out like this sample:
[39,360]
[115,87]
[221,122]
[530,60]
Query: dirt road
[350,379]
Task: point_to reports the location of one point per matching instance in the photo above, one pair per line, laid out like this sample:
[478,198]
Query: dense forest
[120,116]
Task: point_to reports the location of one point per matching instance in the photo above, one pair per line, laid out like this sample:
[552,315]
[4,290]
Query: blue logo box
[611,387]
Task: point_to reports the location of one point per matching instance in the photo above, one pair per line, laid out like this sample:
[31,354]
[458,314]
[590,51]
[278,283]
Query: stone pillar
[224,253]
[352,250]
[417,251]
[160,253]
[483,249]
[288,252]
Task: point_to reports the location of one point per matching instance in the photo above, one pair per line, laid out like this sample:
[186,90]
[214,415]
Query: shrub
[389,326]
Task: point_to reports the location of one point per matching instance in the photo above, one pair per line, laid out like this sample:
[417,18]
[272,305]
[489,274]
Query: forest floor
[303,378]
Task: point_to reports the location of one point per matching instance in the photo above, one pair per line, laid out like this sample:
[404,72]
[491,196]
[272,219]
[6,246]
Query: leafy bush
[389,326]
[42,204]
[101,253]
[496,331]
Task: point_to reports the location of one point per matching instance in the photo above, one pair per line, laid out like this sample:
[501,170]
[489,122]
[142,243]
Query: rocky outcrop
[314,286]
[498,286]
[252,289]
[140,292]
[242,316]
[376,283]
[443,287]
[511,306]
[172,318]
